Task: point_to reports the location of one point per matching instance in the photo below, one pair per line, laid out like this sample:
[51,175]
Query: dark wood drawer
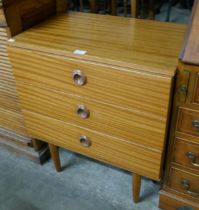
[184,182]
[188,121]
[102,147]
[186,153]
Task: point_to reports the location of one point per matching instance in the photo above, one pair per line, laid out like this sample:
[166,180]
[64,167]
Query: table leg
[134,8]
[151,9]
[136,185]
[113,7]
[93,6]
[54,151]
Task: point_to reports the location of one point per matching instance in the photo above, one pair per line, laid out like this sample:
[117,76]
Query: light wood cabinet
[100,86]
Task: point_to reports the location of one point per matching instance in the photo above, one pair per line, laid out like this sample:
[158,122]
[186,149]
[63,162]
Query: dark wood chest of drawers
[181,186]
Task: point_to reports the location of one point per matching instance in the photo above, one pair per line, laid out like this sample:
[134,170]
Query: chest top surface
[134,44]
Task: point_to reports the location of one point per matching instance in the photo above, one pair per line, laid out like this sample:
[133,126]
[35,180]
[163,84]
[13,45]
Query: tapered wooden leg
[54,151]
[136,184]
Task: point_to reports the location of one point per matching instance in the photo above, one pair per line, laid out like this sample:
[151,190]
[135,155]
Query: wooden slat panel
[10,111]
[12,121]
[2,18]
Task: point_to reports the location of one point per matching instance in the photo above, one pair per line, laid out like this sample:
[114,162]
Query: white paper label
[11,40]
[79,52]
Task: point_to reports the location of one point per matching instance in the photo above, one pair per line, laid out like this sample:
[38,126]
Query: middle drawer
[138,127]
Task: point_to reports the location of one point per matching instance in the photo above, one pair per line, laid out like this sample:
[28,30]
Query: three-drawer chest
[100,86]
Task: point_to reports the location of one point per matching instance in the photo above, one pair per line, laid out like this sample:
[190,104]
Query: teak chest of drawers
[99,86]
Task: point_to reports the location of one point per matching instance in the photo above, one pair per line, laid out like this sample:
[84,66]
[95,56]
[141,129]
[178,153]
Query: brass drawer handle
[186,185]
[79,78]
[82,111]
[192,157]
[85,141]
[195,123]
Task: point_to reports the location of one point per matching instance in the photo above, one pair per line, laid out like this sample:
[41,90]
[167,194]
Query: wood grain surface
[131,125]
[129,67]
[196,90]
[141,44]
[186,117]
[170,201]
[176,178]
[103,147]
[22,14]
[181,148]
[129,89]
[10,112]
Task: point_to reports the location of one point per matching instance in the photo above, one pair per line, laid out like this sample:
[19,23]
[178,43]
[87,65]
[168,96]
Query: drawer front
[186,154]
[102,147]
[121,87]
[188,121]
[184,182]
[138,127]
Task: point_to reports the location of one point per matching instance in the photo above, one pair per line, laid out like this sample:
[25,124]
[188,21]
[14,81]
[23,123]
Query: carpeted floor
[84,184]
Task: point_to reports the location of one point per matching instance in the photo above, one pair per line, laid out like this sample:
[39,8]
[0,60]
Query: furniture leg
[142,9]
[113,7]
[81,5]
[151,9]
[136,184]
[93,6]
[134,8]
[37,144]
[125,7]
[55,156]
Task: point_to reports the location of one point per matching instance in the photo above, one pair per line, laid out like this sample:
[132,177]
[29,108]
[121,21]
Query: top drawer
[121,87]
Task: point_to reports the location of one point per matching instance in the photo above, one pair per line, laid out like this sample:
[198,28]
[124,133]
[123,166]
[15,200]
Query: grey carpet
[84,184]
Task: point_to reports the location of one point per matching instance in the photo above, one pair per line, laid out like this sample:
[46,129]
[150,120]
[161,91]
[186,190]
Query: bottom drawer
[184,182]
[172,201]
[106,148]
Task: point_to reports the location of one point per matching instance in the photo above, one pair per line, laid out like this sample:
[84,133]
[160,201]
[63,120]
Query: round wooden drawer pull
[186,185]
[79,78]
[82,111]
[192,157]
[85,141]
